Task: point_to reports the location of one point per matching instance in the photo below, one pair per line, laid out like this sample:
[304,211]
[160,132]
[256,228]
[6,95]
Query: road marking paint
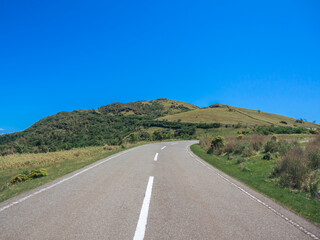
[142,222]
[156,157]
[63,180]
[211,168]
[163,147]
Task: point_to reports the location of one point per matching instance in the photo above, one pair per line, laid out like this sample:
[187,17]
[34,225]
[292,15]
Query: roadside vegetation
[22,172]
[283,167]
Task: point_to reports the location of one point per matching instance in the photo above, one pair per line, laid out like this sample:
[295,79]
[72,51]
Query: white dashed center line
[156,157]
[142,222]
[163,147]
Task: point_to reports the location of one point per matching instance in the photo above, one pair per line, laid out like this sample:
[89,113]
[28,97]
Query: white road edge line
[142,222]
[296,225]
[163,147]
[156,157]
[61,181]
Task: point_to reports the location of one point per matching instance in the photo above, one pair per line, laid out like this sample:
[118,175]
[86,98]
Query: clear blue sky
[69,55]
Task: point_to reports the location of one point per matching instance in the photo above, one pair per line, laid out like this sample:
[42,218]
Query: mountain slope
[108,124]
[232,115]
[144,120]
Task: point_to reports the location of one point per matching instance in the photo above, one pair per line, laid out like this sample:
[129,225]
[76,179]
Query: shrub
[19,178]
[41,172]
[267,156]
[283,146]
[239,147]
[271,146]
[314,159]
[27,175]
[247,151]
[240,136]
[292,168]
[216,143]
[313,154]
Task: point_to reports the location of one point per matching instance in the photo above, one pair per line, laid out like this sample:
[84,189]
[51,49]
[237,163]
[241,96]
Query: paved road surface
[155,191]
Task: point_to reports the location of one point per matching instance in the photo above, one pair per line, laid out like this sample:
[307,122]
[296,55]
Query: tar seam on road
[142,222]
[156,157]
[63,180]
[163,147]
[296,225]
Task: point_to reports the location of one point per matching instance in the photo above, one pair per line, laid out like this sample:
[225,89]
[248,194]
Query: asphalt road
[155,191]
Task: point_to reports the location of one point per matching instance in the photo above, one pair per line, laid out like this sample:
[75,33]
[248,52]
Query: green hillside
[159,119]
[111,124]
[232,115]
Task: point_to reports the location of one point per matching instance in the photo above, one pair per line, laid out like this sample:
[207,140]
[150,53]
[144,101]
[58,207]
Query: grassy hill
[232,115]
[111,124]
[159,119]
[154,108]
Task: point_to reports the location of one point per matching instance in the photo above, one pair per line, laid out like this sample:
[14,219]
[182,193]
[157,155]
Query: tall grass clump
[292,168]
[257,141]
[205,143]
[313,153]
[299,167]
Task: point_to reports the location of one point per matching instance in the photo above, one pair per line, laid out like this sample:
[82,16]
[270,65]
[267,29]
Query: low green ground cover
[256,172]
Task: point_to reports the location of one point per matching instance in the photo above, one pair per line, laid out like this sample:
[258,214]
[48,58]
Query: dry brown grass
[234,116]
[205,142]
[28,160]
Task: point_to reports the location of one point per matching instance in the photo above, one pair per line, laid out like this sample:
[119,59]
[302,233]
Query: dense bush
[267,156]
[19,178]
[36,173]
[247,151]
[292,168]
[216,143]
[299,167]
[271,146]
[27,175]
[240,136]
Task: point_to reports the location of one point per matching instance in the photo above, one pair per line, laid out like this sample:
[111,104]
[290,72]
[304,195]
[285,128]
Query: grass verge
[57,164]
[256,176]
